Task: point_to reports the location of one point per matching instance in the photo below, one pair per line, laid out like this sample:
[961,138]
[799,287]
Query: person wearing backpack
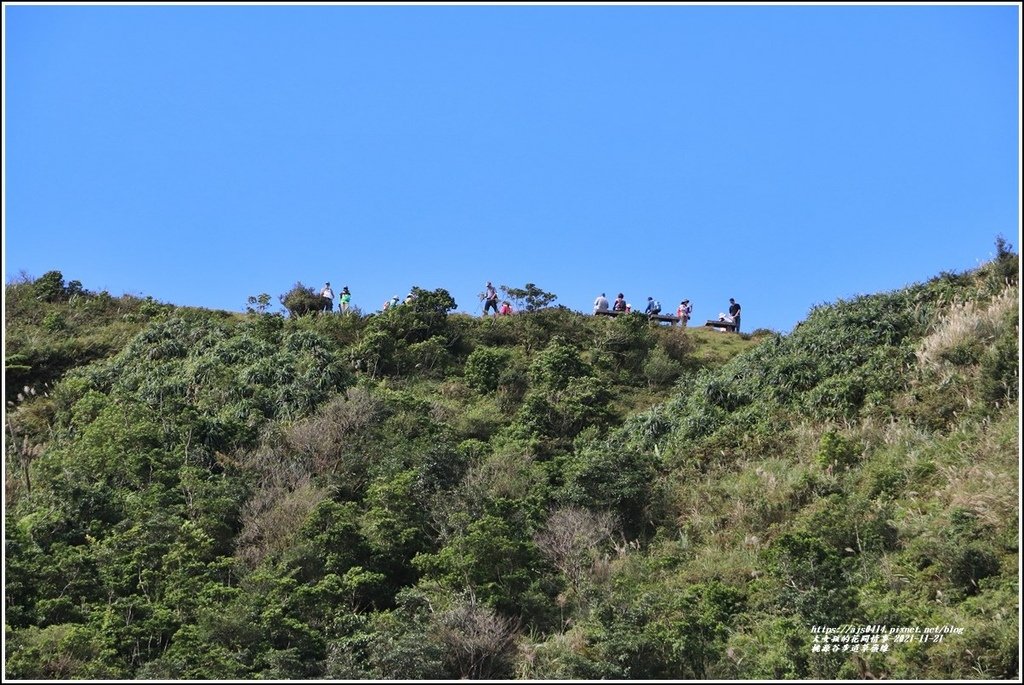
[683,311]
[653,308]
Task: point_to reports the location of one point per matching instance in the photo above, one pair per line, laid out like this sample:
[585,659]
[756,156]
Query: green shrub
[621,481]
[485,366]
[836,452]
[54,322]
[61,651]
[660,369]
[809,579]
[773,648]
[999,376]
[428,358]
[375,353]
[625,341]
[49,287]
[679,345]
[557,364]
[301,300]
[424,318]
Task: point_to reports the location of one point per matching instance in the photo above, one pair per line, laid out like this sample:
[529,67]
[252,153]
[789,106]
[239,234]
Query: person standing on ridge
[490,299]
[344,300]
[734,312]
[683,312]
[328,296]
[601,304]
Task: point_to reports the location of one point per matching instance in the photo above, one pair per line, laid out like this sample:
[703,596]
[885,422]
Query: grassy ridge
[415,494]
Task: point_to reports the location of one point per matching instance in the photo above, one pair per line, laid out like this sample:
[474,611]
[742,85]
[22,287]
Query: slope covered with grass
[416,494]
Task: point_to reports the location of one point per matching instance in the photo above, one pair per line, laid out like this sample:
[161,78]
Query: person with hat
[490,299]
[683,311]
[653,308]
[328,296]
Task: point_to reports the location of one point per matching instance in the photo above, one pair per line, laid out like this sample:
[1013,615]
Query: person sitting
[723,318]
[506,308]
[620,304]
[653,308]
[601,304]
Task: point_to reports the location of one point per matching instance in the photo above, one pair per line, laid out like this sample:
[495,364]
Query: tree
[531,298]
[478,642]
[50,286]
[258,304]
[301,300]
[571,540]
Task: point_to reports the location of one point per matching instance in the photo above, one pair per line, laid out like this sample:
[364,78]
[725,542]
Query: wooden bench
[727,326]
[656,317]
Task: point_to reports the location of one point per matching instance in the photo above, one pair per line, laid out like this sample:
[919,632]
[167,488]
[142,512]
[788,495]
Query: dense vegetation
[195,494]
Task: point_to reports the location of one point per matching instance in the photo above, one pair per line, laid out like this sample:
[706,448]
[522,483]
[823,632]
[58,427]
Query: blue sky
[785,156]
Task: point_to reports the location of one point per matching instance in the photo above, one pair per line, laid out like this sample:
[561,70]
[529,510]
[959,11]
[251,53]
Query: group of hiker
[327,295]
[683,312]
[394,301]
[345,300]
[491,302]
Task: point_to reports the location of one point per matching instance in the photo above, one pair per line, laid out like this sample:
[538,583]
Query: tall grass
[964,325]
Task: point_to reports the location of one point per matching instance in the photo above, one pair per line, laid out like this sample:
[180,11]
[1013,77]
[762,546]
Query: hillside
[194,494]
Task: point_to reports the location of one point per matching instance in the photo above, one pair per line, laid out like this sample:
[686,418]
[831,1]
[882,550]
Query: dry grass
[986,482]
[271,518]
[975,470]
[964,323]
[732,563]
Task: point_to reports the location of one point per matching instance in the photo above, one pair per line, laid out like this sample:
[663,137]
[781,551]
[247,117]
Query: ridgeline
[416,494]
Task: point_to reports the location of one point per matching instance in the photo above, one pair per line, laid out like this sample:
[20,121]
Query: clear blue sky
[782,155]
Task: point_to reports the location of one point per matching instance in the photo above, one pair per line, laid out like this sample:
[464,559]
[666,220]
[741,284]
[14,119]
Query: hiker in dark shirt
[620,303]
[490,299]
[734,312]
